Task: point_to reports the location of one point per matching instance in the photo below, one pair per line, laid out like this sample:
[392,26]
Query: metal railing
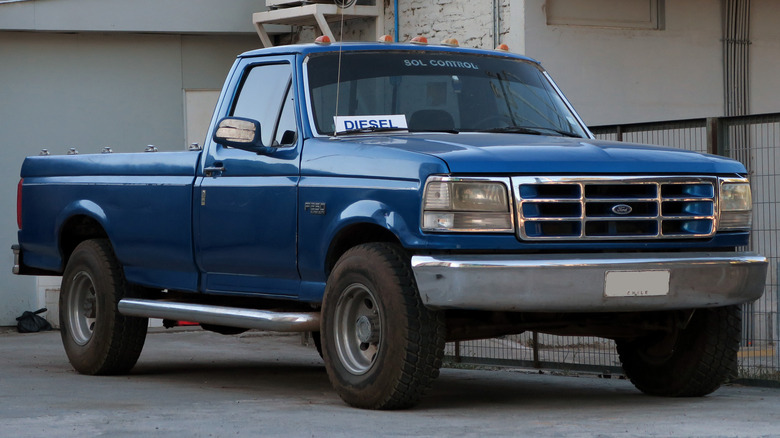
[753,140]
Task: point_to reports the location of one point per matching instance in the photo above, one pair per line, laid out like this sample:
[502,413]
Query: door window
[261,96]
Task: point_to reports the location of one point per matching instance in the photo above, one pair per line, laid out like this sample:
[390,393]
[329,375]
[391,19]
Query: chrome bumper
[577,282]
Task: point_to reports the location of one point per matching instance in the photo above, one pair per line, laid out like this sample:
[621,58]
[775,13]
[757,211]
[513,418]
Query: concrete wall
[90,90]
[614,75]
[764,56]
[167,16]
[470,22]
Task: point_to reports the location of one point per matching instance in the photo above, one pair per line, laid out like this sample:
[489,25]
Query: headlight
[736,205]
[464,204]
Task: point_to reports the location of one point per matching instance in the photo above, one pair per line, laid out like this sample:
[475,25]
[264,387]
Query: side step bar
[220,315]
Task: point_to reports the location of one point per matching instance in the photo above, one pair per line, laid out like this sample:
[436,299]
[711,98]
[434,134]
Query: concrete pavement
[200,384]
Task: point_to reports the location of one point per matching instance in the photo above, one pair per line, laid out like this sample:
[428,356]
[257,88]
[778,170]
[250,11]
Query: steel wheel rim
[82,308]
[358,329]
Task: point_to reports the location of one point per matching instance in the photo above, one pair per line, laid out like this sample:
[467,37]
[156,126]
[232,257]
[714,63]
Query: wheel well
[76,230]
[355,235]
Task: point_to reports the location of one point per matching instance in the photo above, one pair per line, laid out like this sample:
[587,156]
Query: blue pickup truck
[389,198]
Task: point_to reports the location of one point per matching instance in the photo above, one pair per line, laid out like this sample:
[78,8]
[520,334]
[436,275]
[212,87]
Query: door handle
[214,170]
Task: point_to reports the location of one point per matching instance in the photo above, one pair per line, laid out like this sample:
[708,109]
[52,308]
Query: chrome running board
[220,315]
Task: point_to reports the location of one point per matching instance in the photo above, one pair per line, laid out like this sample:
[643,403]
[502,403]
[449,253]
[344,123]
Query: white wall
[89,91]
[764,56]
[168,16]
[623,75]
[198,108]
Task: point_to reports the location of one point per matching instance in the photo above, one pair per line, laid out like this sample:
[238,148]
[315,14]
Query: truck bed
[144,200]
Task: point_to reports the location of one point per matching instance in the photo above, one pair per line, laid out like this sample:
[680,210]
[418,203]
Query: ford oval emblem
[622,209]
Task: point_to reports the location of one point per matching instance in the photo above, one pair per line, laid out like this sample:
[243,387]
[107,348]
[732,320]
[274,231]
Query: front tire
[696,363]
[97,338]
[381,346]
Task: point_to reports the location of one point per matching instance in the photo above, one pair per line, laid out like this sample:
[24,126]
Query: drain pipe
[496,23]
[736,74]
[395,20]
[736,56]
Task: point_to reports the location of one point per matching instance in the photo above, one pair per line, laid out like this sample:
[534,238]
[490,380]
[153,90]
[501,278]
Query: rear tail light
[19,204]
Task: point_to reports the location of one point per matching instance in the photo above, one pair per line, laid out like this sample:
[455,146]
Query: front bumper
[579,282]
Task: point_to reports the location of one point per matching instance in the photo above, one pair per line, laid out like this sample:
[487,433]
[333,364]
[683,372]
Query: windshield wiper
[448,131]
[514,130]
[564,133]
[370,129]
[533,130]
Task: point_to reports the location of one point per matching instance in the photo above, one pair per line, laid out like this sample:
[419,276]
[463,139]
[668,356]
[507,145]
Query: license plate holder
[643,283]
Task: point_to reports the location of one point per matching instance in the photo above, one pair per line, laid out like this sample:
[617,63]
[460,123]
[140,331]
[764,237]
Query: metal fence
[753,140]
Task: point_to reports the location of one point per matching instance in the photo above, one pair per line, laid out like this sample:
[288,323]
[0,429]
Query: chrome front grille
[614,208]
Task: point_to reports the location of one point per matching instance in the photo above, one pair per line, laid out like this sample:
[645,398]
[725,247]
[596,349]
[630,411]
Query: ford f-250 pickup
[389,198]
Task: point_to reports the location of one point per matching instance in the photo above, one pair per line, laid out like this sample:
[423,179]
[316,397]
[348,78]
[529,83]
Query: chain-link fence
[753,140]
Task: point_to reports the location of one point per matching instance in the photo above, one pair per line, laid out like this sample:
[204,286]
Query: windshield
[438,91]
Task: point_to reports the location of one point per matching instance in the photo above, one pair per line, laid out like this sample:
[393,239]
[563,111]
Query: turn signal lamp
[386,39]
[452,42]
[322,39]
[419,40]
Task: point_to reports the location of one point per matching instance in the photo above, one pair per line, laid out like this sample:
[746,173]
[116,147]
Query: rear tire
[97,338]
[703,356]
[381,346]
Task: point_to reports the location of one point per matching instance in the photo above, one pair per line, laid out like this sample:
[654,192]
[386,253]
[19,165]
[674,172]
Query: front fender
[389,210]
[371,212]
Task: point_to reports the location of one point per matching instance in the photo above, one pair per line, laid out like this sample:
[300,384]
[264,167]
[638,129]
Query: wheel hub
[365,329]
[88,307]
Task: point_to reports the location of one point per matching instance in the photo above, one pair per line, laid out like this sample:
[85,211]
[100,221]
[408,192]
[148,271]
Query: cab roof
[305,49]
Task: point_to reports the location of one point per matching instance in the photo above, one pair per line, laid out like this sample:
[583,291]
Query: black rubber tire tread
[409,358]
[704,356]
[117,340]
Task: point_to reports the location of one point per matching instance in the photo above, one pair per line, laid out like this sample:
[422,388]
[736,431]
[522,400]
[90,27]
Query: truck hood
[478,153]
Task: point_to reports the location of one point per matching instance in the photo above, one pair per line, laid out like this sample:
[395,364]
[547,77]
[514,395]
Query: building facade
[95,73]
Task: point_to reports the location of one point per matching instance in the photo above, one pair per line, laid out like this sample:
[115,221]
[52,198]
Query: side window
[261,97]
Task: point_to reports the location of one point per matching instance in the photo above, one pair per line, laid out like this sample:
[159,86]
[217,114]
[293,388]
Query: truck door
[245,203]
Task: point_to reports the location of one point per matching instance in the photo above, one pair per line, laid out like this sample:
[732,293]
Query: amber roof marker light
[451,42]
[322,39]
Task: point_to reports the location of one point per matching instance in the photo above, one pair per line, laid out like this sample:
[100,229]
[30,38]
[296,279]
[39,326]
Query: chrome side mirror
[239,133]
